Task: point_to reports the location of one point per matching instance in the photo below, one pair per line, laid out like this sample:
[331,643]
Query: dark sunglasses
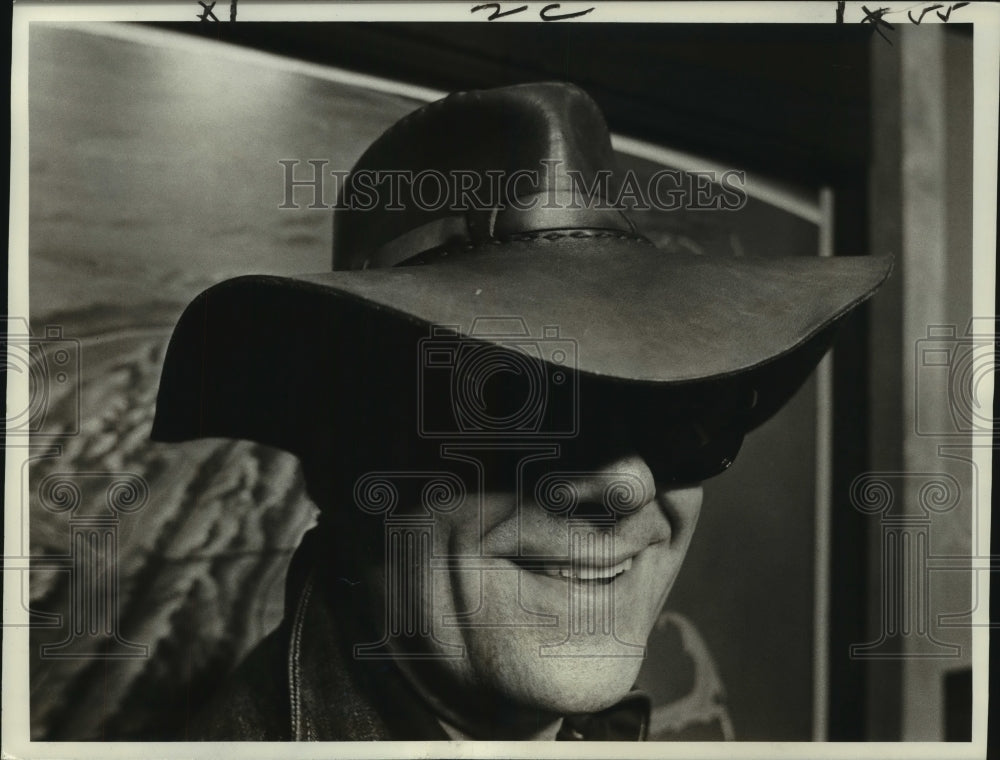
[691,435]
[686,434]
[688,452]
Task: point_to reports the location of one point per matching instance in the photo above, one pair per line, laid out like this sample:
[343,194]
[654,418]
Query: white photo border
[16,702]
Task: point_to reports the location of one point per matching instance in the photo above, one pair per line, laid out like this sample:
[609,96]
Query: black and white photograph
[452,379]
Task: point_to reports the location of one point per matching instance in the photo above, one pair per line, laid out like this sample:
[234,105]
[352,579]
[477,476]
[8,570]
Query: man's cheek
[682,507]
[460,533]
[497,511]
[474,606]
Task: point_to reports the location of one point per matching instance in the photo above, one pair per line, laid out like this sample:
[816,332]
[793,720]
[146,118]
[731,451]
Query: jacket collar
[334,697]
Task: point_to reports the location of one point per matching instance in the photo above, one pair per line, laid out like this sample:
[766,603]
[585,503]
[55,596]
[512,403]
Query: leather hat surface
[260,357]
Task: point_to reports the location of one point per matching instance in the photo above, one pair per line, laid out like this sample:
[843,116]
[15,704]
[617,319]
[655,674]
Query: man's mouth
[584,573]
[581,572]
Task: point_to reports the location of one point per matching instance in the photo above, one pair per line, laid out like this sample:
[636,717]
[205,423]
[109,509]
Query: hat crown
[475,166]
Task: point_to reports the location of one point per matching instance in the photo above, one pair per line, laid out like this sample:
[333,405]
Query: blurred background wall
[927,412]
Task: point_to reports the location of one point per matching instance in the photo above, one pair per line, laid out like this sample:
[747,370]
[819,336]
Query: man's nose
[613,489]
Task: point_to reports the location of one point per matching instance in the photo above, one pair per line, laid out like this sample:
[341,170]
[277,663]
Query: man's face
[546,580]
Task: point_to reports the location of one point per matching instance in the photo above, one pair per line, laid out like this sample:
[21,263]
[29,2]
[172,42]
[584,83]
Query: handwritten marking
[497,13]
[923,12]
[947,16]
[561,17]
[545,14]
[876,20]
[207,13]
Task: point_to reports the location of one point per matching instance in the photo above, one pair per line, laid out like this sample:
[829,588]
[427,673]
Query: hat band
[535,214]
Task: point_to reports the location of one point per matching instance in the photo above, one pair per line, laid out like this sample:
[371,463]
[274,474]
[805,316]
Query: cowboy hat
[487,220]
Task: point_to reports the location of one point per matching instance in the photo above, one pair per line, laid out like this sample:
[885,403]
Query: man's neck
[466,727]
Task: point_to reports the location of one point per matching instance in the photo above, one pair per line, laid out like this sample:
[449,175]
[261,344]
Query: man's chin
[585,684]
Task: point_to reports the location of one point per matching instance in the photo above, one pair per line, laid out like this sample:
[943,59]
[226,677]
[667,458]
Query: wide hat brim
[262,357]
